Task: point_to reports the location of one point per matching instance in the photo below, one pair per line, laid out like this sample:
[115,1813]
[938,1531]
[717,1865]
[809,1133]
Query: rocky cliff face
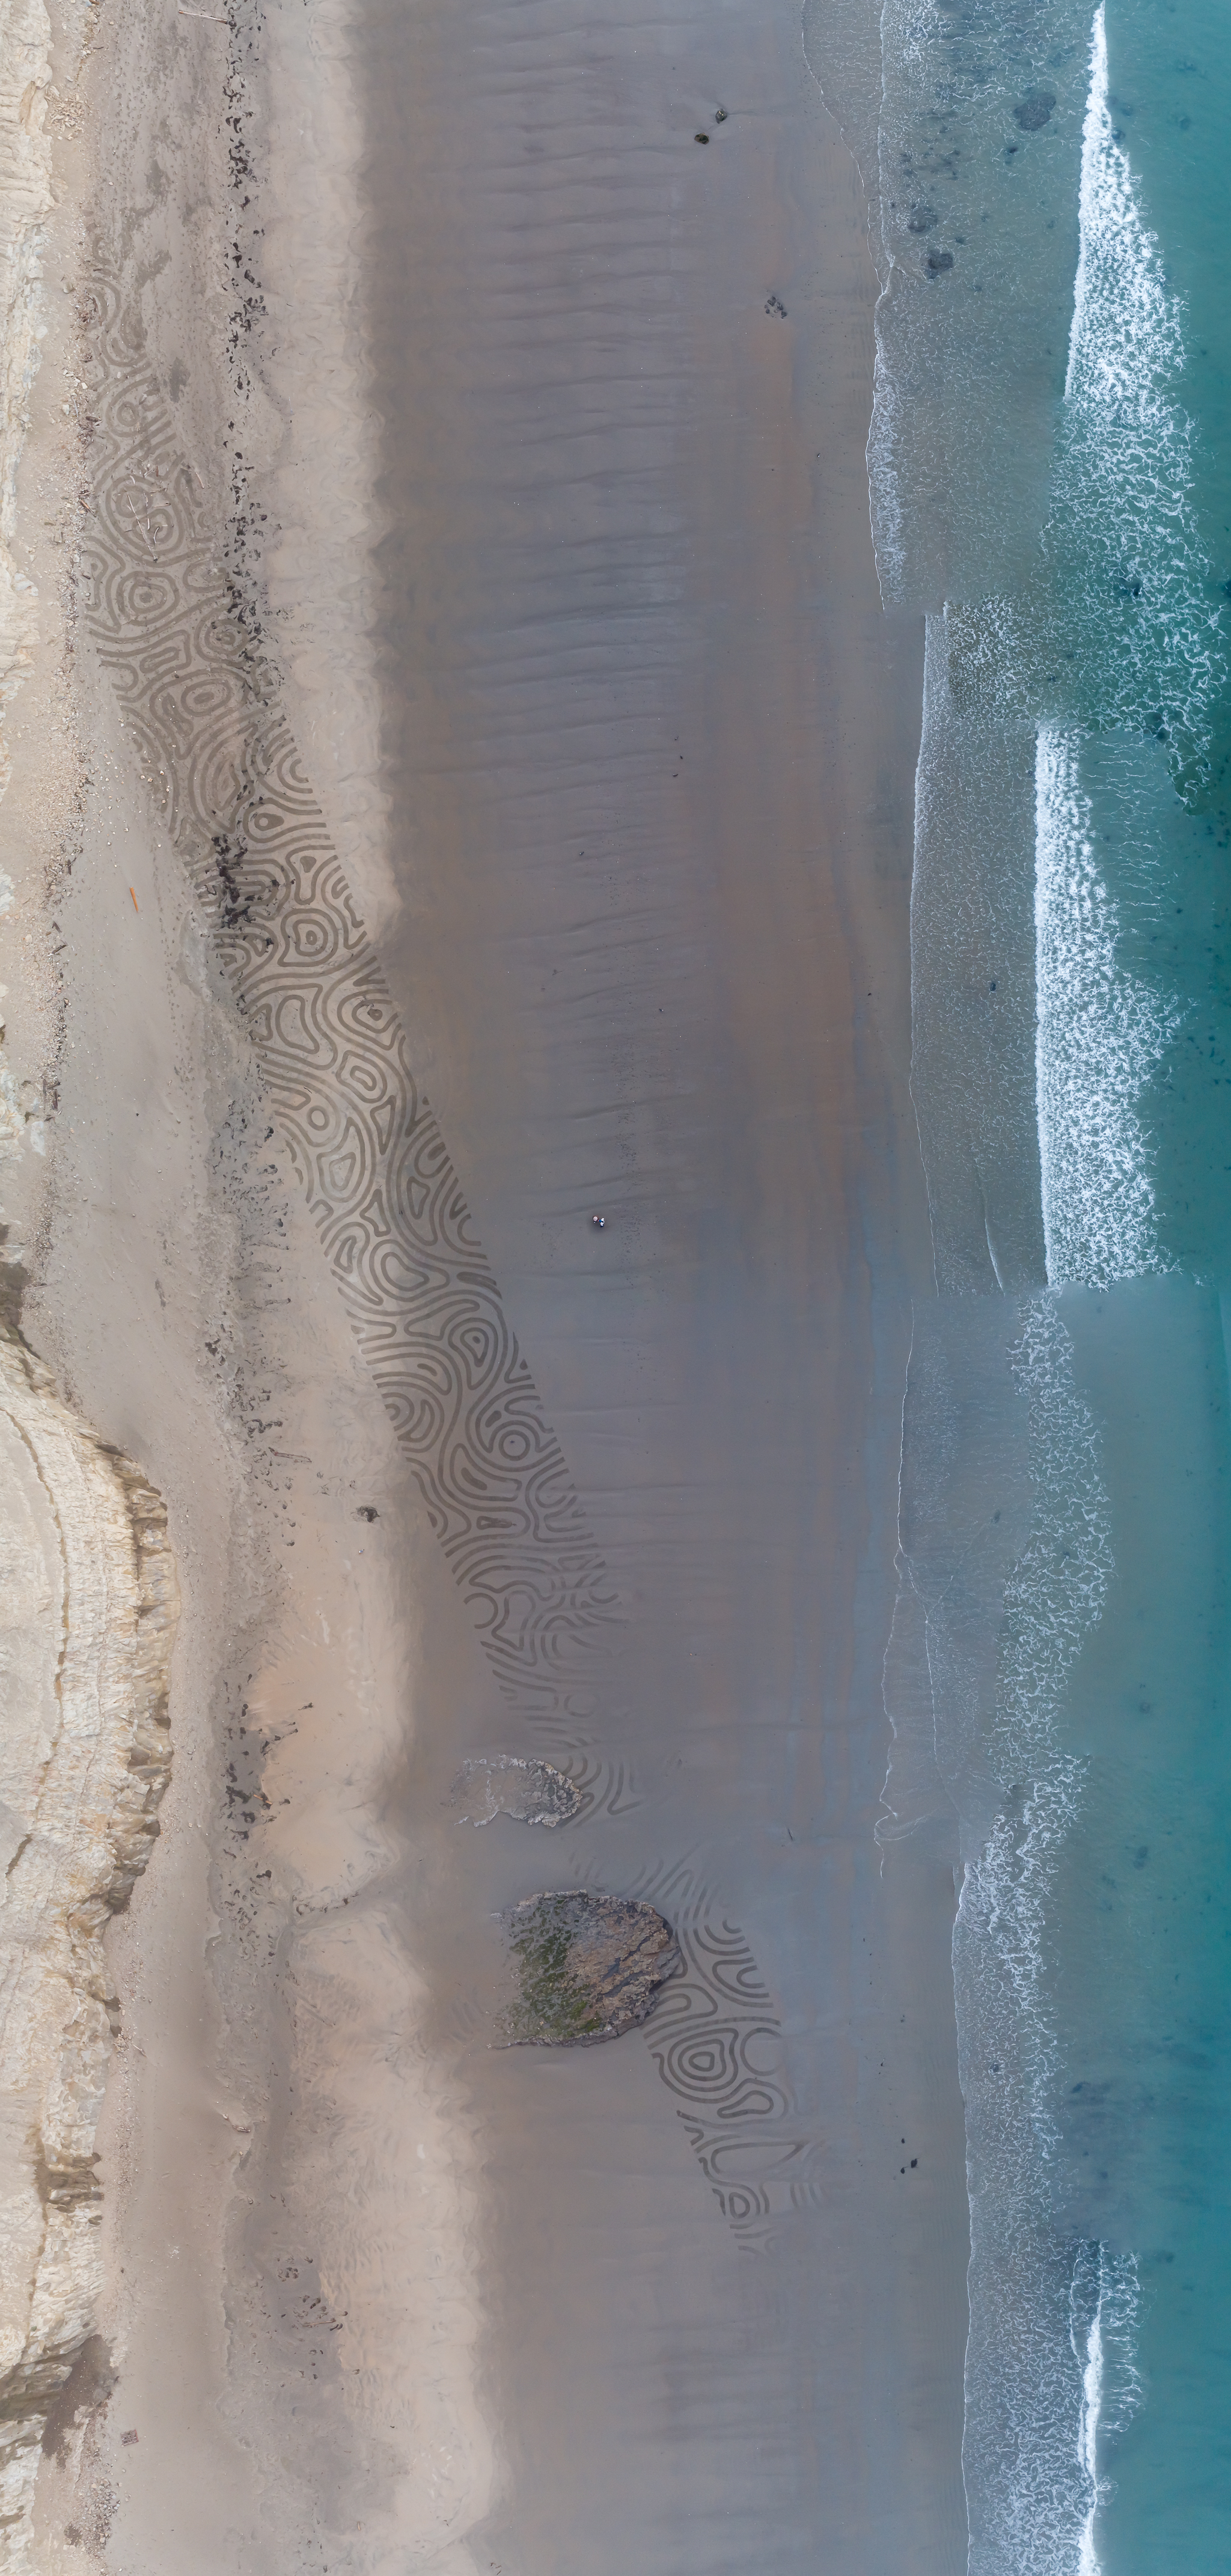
[88,1607]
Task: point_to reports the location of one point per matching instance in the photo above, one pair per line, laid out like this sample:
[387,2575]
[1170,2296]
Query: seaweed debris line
[588,1967]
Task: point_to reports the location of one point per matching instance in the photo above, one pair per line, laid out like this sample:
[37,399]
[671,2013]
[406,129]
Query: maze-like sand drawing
[201,703]
[202,706]
[604,1788]
[719,2048]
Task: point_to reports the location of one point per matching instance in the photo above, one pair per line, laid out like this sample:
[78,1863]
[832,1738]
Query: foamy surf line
[1024,2487]
[1104,2296]
[1052,2373]
[1043,203]
[1123,518]
[1099,1035]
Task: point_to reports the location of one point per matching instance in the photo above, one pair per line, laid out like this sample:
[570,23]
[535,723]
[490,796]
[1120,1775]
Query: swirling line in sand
[202,706]
[718,2047]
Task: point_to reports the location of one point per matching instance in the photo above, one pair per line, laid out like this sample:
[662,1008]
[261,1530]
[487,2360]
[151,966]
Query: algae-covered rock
[587,1967]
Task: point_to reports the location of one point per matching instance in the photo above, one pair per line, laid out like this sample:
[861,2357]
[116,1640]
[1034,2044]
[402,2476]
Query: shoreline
[318,2298]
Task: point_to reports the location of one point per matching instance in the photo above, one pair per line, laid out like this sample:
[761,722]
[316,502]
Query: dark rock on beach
[587,1967]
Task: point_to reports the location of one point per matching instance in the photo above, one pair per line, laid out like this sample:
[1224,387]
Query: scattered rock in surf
[1034,110]
[938,262]
[922,219]
[587,1968]
[502,1784]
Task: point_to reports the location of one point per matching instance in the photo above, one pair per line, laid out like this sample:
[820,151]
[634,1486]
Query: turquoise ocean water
[1050,477]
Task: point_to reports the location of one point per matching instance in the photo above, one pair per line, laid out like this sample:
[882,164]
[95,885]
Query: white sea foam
[1006,1568]
[1099,1034]
[1111,629]
[1125,478]
[1124,514]
[1053,1599]
[1125,324]
[1087,2436]
[1028,2492]
[1103,2303]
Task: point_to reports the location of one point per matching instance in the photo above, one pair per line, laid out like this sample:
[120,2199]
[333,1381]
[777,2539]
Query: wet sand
[651,742]
[568,582]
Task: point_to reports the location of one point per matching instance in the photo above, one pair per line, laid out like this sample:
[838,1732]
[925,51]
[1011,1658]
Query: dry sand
[441,431]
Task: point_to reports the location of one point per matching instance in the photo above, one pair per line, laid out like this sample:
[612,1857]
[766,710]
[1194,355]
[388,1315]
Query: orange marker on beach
[136,905]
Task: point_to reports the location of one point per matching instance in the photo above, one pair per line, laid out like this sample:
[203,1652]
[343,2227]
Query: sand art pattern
[718,2046]
[202,705]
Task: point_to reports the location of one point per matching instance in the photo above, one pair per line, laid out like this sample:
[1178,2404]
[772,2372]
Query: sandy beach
[488,779]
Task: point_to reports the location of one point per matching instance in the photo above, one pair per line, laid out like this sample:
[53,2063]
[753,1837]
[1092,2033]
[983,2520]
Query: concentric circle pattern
[718,2046]
[202,706]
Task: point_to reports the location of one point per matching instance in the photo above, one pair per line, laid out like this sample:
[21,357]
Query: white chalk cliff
[87,1616]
